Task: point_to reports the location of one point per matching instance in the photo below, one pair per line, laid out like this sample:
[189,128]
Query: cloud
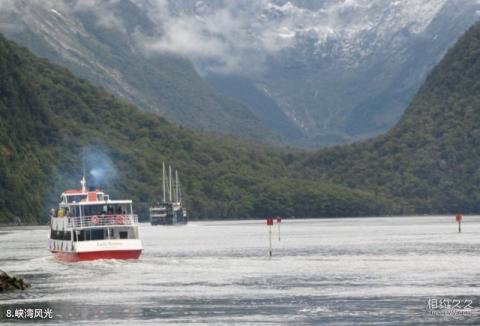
[6,5]
[103,10]
[219,39]
[225,36]
[235,36]
[7,23]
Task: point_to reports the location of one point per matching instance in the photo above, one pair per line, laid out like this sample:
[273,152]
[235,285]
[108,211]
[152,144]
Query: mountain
[48,118]
[244,91]
[100,41]
[339,70]
[355,77]
[429,162]
[302,72]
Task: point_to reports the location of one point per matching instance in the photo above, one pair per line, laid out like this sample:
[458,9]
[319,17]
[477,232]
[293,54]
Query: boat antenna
[163,178]
[170,182]
[83,182]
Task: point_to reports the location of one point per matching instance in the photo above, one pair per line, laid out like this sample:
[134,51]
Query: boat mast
[179,192]
[176,186]
[163,179]
[170,182]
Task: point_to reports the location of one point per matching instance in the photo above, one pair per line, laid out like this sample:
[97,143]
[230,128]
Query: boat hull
[94,255]
[167,221]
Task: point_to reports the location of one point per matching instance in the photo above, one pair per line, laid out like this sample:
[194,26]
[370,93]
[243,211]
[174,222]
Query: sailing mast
[171,211]
[163,178]
[170,182]
[176,186]
[179,193]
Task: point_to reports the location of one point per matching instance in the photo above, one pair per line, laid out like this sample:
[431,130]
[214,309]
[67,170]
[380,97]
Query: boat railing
[103,220]
[159,208]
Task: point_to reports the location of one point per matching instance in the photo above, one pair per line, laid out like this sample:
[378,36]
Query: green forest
[164,84]
[428,163]
[48,117]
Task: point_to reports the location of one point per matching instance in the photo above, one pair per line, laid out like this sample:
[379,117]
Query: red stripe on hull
[93,255]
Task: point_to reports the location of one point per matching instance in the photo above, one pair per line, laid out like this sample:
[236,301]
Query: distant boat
[88,225]
[171,211]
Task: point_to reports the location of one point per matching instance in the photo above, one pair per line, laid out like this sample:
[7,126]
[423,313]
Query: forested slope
[430,161]
[48,117]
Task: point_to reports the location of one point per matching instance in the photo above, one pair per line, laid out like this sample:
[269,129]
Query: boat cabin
[87,225]
[93,216]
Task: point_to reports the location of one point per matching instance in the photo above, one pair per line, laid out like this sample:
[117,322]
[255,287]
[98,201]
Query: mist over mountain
[104,42]
[302,72]
[340,70]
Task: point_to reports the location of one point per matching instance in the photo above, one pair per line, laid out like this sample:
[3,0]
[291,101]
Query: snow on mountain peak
[55,12]
[231,35]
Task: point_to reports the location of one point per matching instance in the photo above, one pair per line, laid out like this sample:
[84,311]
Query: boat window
[60,235]
[67,235]
[121,209]
[97,234]
[110,210]
[54,235]
[104,233]
[76,198]
[94,210]
[84,235]
[91,234]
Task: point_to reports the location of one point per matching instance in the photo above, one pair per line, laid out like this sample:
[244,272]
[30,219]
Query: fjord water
[324,271]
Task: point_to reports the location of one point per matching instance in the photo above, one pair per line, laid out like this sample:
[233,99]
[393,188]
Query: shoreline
[5,226]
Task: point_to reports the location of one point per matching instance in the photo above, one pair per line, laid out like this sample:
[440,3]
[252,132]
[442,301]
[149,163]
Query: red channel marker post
[279,220]
[459,219]
[269,224]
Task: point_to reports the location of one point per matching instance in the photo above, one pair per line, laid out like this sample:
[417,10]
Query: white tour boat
[89,225]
